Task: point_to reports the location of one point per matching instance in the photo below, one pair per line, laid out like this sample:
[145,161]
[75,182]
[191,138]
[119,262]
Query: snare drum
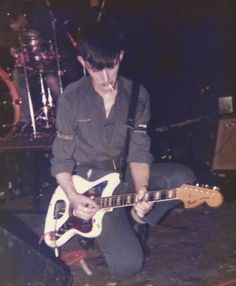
[29,38]
[9,104]
[33,52]
[28,54]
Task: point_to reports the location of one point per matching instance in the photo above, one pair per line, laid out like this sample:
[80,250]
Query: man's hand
[141,206]
[83,207]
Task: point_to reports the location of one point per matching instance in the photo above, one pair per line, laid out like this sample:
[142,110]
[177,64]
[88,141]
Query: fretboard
[124,200]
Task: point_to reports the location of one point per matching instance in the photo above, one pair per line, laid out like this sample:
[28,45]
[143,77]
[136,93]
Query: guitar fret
[146,197]
[118,200]
[105,202]
[129,199]
[170,194]
[157,196]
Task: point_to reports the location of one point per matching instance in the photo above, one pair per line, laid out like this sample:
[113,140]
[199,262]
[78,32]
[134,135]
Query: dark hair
[100,44]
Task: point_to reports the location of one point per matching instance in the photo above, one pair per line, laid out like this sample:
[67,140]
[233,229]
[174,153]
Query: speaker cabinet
[225,147]
[22,262]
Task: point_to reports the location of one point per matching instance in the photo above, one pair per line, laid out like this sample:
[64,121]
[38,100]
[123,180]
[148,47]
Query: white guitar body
[61,225]
[82,186]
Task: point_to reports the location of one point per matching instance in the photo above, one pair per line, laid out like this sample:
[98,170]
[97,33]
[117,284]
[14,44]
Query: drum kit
[34,55]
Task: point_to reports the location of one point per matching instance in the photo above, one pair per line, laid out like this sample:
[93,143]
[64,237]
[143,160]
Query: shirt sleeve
[64,142]
[140,142]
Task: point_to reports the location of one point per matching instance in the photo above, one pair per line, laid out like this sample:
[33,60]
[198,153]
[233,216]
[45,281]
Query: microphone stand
[53,21]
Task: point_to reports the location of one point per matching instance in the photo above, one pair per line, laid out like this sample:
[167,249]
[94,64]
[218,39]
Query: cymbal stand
[46,111]
[44,99]
[53,21]
[101,10]
[31,107]
[50,101]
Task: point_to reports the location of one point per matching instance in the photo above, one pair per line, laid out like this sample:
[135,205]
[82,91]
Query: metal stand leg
[31,108]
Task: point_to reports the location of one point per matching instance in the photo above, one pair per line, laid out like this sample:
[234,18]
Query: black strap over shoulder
[130,125]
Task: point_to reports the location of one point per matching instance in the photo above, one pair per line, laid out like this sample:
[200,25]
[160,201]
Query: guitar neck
[126,200]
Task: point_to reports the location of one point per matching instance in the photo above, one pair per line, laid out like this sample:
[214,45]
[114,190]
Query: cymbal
[8,40]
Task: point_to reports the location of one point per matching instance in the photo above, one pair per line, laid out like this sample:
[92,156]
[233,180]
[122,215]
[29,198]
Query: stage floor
[187,248]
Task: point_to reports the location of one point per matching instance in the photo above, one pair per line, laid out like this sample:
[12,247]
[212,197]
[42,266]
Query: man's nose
[105,75]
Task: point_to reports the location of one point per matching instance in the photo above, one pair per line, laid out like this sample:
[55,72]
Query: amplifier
[225,147]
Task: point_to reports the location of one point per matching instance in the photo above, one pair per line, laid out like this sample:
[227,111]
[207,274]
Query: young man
[91,131]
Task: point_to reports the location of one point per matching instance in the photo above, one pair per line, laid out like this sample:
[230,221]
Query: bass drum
[9,104]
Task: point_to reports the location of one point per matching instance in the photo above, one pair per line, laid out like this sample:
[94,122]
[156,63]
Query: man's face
[104,80]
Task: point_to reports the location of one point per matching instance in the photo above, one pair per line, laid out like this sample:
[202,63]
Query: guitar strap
[130,126]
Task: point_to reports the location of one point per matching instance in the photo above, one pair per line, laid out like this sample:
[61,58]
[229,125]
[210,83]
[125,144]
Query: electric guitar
[61,225]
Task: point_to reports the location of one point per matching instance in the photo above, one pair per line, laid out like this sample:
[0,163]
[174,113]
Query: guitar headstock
[194,195]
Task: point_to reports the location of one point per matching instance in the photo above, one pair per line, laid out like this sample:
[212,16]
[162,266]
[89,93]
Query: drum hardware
[31,47]
[31,108]
[101,11]
[10,124]
[47,102]
[45,117]
[30,38]
[34,52]
[9,105]
[53,22]
[18,101]
[45,121]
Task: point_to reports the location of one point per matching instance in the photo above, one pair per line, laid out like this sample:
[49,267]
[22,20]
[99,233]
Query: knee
[184,174]
[171,174]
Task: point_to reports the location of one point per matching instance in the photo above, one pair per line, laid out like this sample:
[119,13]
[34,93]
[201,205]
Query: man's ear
[81,60]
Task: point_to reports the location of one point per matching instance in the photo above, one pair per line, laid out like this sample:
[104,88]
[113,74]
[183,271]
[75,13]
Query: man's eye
[111,67]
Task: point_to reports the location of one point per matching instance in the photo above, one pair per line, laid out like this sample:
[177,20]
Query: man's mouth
[110,85]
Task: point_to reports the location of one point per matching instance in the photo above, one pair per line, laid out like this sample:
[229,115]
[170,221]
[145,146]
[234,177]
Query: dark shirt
[84,134]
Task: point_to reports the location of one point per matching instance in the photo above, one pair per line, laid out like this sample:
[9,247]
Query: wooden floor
[188,247]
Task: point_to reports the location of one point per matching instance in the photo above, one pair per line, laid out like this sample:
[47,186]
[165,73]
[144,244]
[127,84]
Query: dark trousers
[118,241]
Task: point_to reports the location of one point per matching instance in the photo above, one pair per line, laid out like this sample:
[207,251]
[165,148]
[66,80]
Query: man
[91,132]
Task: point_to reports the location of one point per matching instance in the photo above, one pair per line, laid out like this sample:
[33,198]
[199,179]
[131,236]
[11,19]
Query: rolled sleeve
[62,161]
[139,149]
[64,143]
